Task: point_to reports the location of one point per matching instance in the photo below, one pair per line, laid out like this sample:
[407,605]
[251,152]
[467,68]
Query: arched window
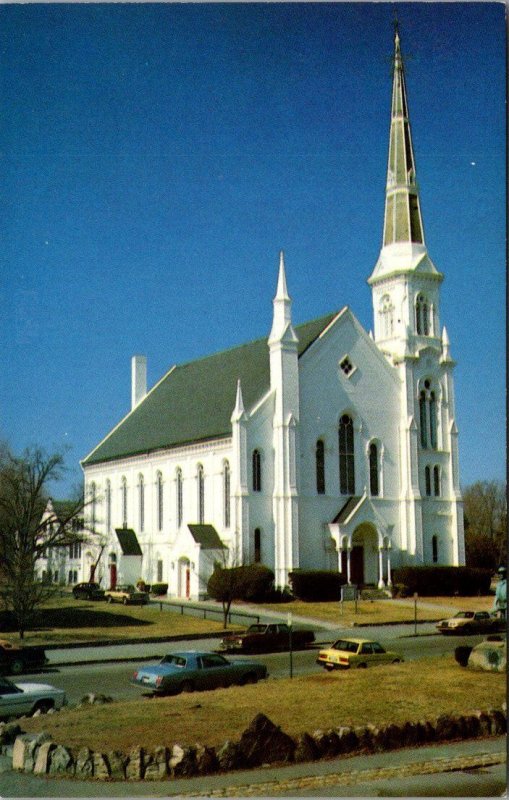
[427,479]
[428,416]
[160,501]
[422,316]
[374,483]
[257,471]
[179,497]
[386,317]
[123,491]
[320,467]
[436,481]
[93,505]
[257,545]
[141,502]
[108,506]
[434,548]
[201,494]
[346,456]
[433,420]
[226,494]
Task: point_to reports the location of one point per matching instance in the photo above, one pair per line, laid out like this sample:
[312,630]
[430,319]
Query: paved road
[112,678]
[478,771]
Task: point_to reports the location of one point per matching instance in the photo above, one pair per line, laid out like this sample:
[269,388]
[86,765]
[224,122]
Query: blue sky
[156,158]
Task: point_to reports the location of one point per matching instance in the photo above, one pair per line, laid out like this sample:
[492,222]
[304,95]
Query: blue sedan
[190,670]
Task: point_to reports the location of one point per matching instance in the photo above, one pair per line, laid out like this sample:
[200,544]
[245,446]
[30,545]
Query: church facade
[321,447]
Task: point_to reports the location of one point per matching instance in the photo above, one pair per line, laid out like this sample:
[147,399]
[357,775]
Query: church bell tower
[406,294]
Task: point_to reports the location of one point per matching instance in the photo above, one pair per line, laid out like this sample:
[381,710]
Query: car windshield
[464,614]
[177,661]
[343,644]
[7,687]
[256,629]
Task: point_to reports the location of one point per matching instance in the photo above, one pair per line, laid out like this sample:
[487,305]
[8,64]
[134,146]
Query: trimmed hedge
[159,589]
[253,583]
[447,581]
[316,584]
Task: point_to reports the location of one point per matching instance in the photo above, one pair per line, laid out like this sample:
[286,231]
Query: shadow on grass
[72,618]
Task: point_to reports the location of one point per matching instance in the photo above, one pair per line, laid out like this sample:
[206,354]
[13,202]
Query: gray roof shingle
[194,402]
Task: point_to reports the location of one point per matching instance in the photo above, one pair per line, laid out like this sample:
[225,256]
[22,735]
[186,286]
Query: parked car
[127,594]
[266,637]
[467,622]
[17,699]
[190,670]
[346,653]
[87,591]
[15,659]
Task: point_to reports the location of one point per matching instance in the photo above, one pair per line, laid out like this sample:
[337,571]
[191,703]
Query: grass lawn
[64,620]
[432,608]
[306,703]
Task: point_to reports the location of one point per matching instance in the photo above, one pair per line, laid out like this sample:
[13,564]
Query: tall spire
[282,317]
[403,221]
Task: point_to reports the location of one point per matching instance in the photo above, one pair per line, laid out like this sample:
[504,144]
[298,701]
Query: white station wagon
[18,699]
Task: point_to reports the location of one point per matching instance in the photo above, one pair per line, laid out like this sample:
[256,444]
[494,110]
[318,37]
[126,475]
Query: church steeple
[403,221]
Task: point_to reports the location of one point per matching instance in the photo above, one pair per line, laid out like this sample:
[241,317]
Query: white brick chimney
[138,379]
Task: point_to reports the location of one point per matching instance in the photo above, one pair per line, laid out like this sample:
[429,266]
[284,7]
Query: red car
[263,637]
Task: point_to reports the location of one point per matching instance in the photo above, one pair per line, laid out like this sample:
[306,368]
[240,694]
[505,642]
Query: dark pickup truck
[262,638]
[15,659]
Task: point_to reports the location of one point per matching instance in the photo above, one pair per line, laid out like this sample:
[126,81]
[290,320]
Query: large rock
[25,750]
[206,760]
[306,748]
[84,763]
[348,739]
[327,743]
[156,765]
[61,761]
[229,757]
[264,743]
[43,758]
[118,763]
[101,767]
[182,761]
[447,728]
[490,656]
[8,732]
[136,765]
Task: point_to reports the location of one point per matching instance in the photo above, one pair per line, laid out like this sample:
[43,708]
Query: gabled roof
[194,401]
[346,510]
[207,536]
[128,542]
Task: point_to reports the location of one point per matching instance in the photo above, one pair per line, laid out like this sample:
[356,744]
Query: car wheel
[467,630]
[16,667]
[43,706]
[362,666]
[251,678]
[329,667]
[187,686]
[397,661]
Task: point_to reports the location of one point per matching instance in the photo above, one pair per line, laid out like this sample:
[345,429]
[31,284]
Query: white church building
[321,447]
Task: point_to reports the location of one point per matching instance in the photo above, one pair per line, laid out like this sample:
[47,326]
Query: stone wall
[261,743]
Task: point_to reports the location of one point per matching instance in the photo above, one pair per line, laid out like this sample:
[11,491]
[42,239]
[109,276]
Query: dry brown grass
[393,693]
[66,620]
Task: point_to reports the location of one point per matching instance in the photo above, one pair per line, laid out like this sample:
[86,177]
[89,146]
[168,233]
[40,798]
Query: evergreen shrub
[159,589]
[252,583]
[316,584]
[447,581]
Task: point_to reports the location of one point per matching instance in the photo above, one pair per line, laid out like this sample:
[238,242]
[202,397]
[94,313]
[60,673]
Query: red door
[357,565]
[188,583]
[113,576]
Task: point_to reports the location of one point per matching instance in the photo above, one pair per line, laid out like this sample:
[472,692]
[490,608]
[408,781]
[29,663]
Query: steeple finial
[282,318]
[403,222]
[239,410]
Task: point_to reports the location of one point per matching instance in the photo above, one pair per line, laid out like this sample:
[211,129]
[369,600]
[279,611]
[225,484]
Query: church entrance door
[357,565]
[113,576]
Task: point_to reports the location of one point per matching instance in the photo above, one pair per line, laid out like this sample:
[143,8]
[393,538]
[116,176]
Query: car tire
[329,667]
[43,706]
[467,630]
[252,677]
[187,686]
[16,667]
[397,661]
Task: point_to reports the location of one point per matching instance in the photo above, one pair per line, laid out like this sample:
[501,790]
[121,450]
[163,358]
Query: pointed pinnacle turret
[239,410]
[282,317]
[403,221]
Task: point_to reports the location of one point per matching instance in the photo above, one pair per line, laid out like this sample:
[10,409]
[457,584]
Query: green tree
[26,531]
